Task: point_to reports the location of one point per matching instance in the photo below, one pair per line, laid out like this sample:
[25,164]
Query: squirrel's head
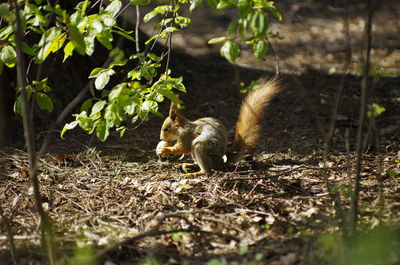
[169,129]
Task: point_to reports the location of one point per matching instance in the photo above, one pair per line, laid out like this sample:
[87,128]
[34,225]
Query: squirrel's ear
[174,111]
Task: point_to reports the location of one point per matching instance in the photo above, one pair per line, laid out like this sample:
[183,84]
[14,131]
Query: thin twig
[364,92]
[275,56]
[137,29]
[122,10]
[157,232]
[346,69]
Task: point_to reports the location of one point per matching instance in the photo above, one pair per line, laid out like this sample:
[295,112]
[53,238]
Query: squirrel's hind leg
[205,159]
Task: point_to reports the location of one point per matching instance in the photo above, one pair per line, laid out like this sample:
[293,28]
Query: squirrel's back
[249,122]
[211,130]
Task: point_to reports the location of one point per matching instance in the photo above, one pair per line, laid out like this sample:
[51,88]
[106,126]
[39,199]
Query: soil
[282,205]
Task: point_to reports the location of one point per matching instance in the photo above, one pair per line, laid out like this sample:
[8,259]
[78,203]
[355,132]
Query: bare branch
[137,29]
[363,104]
[339,91]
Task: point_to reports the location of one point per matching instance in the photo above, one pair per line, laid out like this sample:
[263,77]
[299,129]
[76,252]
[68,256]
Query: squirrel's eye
[165,129]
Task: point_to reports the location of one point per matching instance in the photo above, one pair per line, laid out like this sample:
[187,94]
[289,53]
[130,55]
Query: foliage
[372,246]
[253,17]
[49,29]
[374,110]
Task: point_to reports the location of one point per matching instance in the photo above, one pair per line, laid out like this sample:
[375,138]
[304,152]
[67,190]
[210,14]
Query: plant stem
[137,29]
[364,91]
[45,223]
[339,91]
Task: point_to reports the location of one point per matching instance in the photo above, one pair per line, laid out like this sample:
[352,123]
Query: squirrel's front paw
[162,148]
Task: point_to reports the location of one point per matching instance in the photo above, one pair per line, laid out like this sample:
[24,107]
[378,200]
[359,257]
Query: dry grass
[270,206]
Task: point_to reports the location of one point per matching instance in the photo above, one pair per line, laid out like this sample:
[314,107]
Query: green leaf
[124,34]
[77,39]
[5,32]
[170,95]
[375,110]
[103,78]
[19,105]
[68,126]
[108,21]
[95,72]
[149,106]
[113,114]
[230,50]
[105,38]
[233,26]
[86,105]
[260,49]
[41,85]
[51,40]
[121,130]
[259,24]
[391,173]
[154,57]
[4,9]
[97,108]
[115,92]
[114,8]
[28,49]
[177,237]
[102,131]
[244,7]
[152,38]
[8,56]
[135,119]
[213,4]
[167,30]
[97,25]
[217,40]
[258,257]
[223,5]
[139,2]
[68,50]
[194,4]
[118,57]
[158,10]
[44,101]
[86,123]
[134,74]
[149,16]
[85,4]
[183,22]
[243,28]
[58,42]
[243,250]
[170,83]
[271,7]
[131,108]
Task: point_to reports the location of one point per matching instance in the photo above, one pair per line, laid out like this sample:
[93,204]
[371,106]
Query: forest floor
[287,204]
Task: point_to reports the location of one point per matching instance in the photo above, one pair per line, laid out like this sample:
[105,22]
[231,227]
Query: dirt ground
[282,205]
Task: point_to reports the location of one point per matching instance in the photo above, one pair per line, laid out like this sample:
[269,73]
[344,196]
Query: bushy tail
[251,113]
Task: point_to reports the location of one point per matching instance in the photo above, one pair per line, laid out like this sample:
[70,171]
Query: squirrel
[206,138]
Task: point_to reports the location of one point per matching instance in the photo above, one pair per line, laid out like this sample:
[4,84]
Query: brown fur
[206,138]
[249,122]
